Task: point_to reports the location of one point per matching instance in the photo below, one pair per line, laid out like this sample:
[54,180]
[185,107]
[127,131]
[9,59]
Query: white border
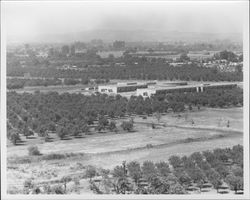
[246,195]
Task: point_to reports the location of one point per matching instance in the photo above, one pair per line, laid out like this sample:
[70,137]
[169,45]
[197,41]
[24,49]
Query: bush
[57,189]
[33,151]
[28,184]
[148,146]
[127,126]
[90,172]
[53,156]
[112,126]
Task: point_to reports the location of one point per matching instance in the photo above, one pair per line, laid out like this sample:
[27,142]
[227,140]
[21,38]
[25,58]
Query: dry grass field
[106,150]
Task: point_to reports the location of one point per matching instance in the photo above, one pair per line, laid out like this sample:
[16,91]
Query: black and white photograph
[125,99]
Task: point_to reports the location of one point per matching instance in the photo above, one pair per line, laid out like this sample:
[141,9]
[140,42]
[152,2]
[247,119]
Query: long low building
[147,92]
[120,87]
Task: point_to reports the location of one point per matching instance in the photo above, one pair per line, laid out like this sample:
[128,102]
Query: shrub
[112,126]
[57,189]
[149,146]
[53,156]
[65,180]
[28,184]
[127,126]
[33,151]
[90,172]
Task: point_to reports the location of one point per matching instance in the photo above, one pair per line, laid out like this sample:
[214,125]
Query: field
[177,137]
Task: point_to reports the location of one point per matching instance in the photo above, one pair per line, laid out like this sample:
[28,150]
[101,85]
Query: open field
[107,150]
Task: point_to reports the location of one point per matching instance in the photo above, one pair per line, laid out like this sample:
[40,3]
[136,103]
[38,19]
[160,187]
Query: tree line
[135,68]
[18,83]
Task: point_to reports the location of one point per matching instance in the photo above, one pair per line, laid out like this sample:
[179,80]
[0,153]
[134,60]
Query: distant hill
[131,36]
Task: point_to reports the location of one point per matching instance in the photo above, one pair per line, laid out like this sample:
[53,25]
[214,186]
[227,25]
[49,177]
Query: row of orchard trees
[217,168]
[17,83]
[73,113]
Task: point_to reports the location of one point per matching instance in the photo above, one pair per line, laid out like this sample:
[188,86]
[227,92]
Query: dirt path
[230,134]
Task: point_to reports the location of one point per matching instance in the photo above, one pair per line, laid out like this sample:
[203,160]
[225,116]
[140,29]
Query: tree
[214,178]
[184,57]
[228,55]
[197,157]
[102,123]
[190,107]
[65,180]
[148,170]
[121,184]
[177,106]
[196,175]
[14,136]
[118,171]
[222,170]
[112,126]
[175,161]
[26,131]
[134,171]
[183,177]
[58,189]
[33,151]
[90,172]
[237,171]
[61,132]
[235,182]
[127,126]
[163,168]
[75,131]
[83,127]
[176,188]
[159,185]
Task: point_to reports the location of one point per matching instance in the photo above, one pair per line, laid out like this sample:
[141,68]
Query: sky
[29,19]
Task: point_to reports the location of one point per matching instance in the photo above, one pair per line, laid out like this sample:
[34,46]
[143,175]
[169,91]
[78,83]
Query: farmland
[107,149]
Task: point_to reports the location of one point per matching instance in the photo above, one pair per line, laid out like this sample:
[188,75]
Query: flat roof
[166,87]
[120,86]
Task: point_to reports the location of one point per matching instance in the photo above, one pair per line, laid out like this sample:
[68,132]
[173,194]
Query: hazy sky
[33,19]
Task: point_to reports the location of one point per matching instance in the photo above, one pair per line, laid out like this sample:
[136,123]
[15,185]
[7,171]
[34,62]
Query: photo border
[246,194]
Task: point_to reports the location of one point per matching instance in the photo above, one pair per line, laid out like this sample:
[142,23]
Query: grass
[38,158]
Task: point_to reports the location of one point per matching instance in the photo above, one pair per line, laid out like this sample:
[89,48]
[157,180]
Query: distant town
[80,63]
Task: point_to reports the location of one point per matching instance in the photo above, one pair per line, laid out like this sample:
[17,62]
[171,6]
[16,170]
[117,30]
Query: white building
[145,92]
[121,87]
[107,89]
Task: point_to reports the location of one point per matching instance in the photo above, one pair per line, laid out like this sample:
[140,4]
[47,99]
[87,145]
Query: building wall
[145,92]
[130,88]
[107,89]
